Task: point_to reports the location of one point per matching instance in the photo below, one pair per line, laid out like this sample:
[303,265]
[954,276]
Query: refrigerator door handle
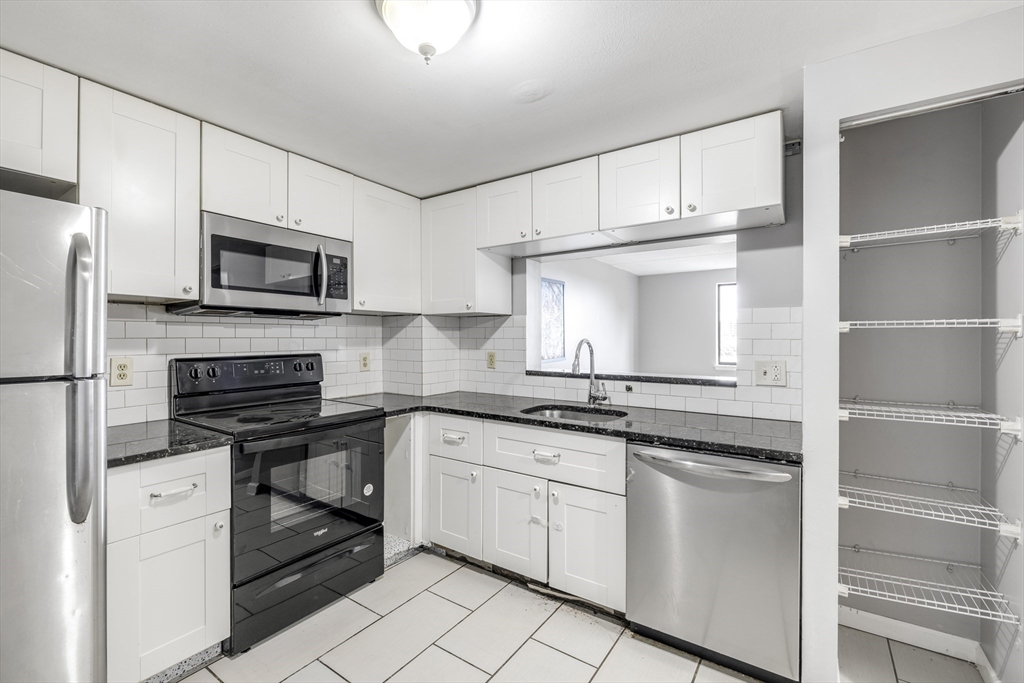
[86,437]
[716,471]
[83,315]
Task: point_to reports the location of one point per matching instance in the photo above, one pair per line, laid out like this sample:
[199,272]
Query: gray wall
[677,323]
[601,305]
[1002,367]
[909,172]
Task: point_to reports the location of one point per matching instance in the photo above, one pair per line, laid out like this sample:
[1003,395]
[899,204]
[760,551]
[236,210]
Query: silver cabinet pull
[472,475]
[218,526]
[453,439]
[188,289]
[554,496]
[298,221]
[541,456]
[280,218]
[522,233]
[536,489]
[716,471]
[175,492]
[536,232]
[669,210]
[469,306]
[691,207]
[362,302]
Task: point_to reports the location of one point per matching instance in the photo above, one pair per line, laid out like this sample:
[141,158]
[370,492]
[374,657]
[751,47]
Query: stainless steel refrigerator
[52,440]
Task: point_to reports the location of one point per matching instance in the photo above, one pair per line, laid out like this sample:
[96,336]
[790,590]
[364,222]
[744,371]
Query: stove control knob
[195,373]
[213,372]
[310,366]
[297,367]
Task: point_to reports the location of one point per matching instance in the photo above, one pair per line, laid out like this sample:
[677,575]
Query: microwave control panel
[337,277]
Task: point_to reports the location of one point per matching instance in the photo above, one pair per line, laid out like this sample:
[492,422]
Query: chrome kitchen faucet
[596,395]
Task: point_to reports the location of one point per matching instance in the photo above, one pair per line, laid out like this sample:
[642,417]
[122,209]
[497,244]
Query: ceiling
[533,82]
[686,259]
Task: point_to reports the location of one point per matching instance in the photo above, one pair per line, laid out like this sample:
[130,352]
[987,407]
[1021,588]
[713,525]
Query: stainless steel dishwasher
[713,556]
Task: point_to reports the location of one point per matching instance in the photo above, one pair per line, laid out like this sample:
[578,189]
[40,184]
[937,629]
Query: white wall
[601,304]
[677,319]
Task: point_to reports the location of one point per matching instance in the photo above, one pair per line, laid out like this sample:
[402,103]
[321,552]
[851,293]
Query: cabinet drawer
[172,502]
[597,462]
[458,438]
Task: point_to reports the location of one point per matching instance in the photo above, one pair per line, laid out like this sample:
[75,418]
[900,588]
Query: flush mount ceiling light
[427,27]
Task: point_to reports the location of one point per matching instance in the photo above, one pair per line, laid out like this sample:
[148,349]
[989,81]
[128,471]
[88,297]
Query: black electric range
[307,484]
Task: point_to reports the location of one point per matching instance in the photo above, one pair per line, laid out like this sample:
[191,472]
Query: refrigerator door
[53,307]
[52,569]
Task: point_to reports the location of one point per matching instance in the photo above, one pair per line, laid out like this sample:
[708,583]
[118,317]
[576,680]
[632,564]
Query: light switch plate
[770,373]
[492,360]
[122,372]
[364,361]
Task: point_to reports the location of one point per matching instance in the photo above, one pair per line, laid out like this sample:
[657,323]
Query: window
[726,324]
[552,305]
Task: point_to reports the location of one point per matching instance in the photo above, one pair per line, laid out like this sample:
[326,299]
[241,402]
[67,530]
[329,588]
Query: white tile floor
[867,658]
[431,619]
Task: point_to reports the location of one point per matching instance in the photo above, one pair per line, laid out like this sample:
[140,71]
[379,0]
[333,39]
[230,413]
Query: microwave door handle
[321,258]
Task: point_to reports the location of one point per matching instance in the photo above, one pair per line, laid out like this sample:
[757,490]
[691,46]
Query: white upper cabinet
[386,250]
[244,178]
[140,162]
[640,184]
[565,199]
[38,118]
[733,167]
[458,279]
[319,198]
[504,211]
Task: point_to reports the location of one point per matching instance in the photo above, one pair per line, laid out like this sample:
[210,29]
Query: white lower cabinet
[587,534]
[515,523]
[456,500]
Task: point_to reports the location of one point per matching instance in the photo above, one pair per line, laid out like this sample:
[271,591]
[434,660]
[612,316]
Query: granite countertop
[142,441]
[749,437]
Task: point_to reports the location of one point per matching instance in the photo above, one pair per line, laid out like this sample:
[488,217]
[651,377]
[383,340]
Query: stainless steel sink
[576,413]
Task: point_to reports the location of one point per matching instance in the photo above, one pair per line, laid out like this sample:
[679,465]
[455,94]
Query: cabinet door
[565,199]
[640,184]
[168,596]
[448,225]
[140,162]
[319,199]
[504,211]
[587,532]
[515,534]
[386,250]
[732,167]
[244,178]
[38,118]
[456,505]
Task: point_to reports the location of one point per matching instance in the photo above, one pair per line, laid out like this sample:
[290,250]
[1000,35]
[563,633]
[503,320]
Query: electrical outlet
[364,361]
[122,372]
[770,373]
[492,360]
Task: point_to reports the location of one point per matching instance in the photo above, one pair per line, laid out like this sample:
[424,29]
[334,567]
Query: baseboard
[985,668]
[911,634]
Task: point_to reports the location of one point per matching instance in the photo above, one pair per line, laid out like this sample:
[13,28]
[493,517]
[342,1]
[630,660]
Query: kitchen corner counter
[775,440]
[142,441]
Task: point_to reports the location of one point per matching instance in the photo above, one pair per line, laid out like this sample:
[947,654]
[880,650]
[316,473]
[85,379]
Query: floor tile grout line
[413,597]
[892,660]
[541,642]
[608,654]
[530,637]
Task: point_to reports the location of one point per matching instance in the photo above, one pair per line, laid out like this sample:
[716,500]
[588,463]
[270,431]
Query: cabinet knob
[218,526]
[536,489]
[554,495]
[280,218]
[469,306]
[472,475]
[362,302]
[691,207]
[669,210]
[188,289]
[298,221]
[536,232]
[522,233]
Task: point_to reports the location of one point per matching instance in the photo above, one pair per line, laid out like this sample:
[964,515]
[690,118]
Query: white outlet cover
[492,360]
[770,373]
[364,362]
[122,372]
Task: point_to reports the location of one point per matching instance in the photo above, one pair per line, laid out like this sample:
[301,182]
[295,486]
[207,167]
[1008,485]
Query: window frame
[719,362]
[562,358]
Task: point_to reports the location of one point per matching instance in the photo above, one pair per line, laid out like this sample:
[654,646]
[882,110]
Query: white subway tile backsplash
[770,315]
[771,347]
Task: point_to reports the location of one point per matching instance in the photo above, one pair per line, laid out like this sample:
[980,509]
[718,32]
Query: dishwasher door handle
[716,471]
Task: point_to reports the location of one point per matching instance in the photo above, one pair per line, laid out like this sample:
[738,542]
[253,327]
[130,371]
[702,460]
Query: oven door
[297,493]
[249,265]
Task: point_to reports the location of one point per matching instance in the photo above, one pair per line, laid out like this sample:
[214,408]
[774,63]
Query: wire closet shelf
[929,233]
[946,503]
[928,413]
[1012,325]
[936,584]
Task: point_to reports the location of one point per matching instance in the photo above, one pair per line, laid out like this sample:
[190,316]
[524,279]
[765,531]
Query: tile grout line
[607,654]
[530,637]
[892,660]
[413,597]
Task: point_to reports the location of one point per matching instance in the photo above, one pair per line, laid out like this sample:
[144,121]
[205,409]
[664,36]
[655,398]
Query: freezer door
[713,554]
[53,307]
[52,569]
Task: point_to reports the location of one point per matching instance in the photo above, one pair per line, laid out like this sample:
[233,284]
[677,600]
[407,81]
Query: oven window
[290,501]
[259,267]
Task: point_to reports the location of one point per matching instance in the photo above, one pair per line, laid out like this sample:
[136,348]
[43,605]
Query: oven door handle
[289,441]
[291,578]
[321,260]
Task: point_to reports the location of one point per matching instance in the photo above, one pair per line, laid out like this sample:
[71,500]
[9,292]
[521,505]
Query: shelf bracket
[1012,428]
[1012,223]
[844,242]
[1011,530]
[844,502]
[1014,325]
[844,591]
[844,415]
[844,326]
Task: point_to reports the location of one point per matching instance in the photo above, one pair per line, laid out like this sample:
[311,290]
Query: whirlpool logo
[321,532]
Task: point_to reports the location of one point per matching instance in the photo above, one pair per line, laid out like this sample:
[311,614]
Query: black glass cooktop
[277,418]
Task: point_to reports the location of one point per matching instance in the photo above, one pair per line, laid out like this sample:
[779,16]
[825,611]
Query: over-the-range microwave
[252,269]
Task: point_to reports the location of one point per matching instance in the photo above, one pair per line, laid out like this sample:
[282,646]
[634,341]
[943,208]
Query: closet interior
[932,372]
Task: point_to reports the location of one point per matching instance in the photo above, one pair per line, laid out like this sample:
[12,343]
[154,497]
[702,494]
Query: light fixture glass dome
[427,27]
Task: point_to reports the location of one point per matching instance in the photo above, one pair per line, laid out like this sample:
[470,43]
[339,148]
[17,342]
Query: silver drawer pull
[541,456]
[175,492]
[453,439]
